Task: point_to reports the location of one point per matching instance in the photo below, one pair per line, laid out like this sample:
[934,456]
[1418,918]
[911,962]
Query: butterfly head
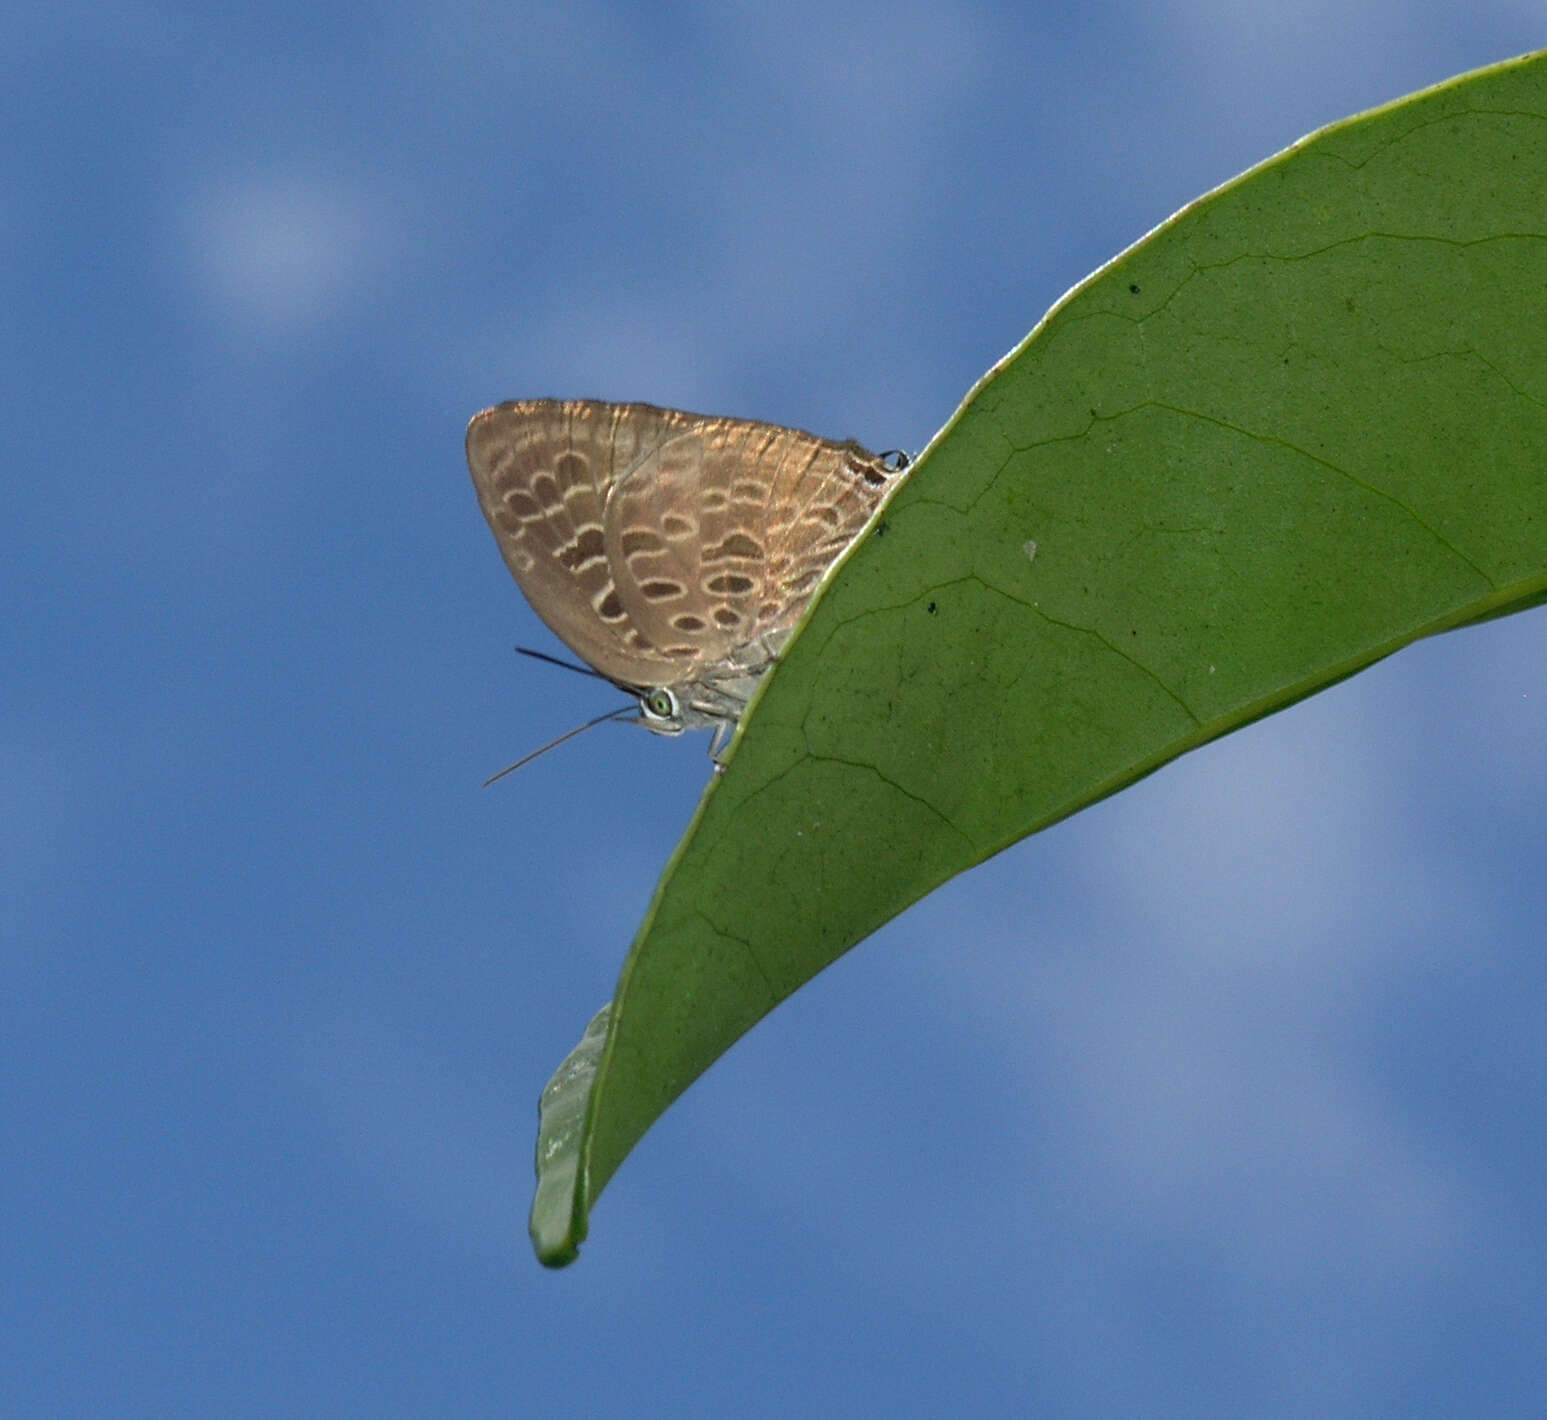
[660,711]
[695,705]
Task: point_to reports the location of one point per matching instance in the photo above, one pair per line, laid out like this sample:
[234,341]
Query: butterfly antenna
[555,661]
[553,744]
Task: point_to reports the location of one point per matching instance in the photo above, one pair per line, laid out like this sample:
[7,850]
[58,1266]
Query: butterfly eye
[660,704]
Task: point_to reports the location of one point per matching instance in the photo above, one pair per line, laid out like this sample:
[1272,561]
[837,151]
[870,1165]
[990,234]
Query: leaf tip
[558,1221]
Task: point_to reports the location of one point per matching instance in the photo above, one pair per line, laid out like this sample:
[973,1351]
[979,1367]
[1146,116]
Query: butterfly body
[672,552]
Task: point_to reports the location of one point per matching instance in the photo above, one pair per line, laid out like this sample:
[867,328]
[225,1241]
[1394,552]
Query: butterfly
[672,552]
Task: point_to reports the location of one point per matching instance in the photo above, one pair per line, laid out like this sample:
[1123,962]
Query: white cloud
[281,254]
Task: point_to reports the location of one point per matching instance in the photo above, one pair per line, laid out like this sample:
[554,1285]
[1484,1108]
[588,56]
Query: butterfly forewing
[543,470]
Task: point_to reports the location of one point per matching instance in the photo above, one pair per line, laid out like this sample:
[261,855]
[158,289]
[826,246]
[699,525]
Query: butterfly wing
[544,470]
[821,498]
[719,534]
[666,548]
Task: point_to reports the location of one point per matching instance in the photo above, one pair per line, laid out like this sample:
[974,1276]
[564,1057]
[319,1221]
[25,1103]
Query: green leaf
[1297,427]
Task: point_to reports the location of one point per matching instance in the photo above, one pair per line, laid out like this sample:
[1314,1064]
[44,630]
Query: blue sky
[1224,1097]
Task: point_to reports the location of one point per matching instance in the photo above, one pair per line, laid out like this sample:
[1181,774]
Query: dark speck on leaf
[933,608]
[1134,289]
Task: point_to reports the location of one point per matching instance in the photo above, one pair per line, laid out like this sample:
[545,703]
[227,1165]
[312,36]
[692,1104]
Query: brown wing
[821,504]
[658,544]
[719,535]
[543,470]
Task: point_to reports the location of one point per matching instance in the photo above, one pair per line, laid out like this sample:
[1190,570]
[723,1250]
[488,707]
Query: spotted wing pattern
[667,549]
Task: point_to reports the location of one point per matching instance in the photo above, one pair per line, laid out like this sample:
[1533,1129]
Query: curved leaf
[1295,428]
